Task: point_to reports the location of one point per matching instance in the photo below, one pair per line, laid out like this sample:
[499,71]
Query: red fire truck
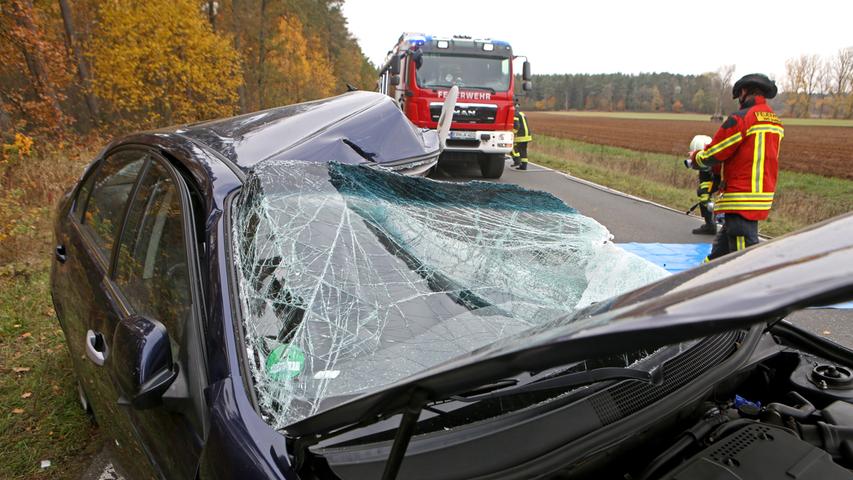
[420,70]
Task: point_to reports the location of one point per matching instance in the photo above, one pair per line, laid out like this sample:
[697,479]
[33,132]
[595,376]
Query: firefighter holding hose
[522,138]
[746,149]
[709,183]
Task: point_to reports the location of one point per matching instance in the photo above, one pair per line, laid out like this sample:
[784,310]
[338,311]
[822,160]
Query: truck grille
[467,112]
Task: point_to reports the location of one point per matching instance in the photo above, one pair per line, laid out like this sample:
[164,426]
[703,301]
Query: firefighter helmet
[767,86]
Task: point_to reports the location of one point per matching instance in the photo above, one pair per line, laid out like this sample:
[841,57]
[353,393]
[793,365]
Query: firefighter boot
[522,166]
[710,227]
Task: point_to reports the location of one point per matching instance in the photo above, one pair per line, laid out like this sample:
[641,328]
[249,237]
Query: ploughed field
[824,150]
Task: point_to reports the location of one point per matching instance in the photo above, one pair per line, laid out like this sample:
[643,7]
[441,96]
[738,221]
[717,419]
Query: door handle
[60,253]
[96,347]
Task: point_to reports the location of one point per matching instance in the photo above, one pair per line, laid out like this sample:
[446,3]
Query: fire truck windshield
[444,70]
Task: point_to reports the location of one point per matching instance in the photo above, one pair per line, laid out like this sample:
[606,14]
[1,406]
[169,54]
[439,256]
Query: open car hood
[761,284]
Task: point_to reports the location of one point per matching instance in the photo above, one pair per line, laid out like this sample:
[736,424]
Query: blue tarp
[674,257]
[677,257]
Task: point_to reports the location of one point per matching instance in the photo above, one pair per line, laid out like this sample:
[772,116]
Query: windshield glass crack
[353,278]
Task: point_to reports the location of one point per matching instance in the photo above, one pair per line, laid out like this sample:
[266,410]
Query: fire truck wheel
[492,166]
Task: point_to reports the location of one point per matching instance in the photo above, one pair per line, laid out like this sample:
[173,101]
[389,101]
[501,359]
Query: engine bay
[791,417]
[769,410]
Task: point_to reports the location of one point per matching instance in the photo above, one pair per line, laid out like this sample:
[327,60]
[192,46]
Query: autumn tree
[33,68]
[298,70]
[158,62]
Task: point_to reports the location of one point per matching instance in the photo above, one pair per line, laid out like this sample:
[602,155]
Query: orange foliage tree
[33,68]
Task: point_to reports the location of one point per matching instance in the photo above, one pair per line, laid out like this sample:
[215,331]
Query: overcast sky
[621,36]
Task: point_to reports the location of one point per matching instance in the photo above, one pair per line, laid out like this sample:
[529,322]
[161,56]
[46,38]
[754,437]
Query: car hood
[761,284]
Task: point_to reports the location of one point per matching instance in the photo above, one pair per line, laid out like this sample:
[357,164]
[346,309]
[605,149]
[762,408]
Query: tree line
[644,92]
[820,86]
[813,86]
[75,66]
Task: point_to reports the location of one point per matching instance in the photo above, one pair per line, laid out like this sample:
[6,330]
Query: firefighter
[746,149]
[522,138]
[709,182]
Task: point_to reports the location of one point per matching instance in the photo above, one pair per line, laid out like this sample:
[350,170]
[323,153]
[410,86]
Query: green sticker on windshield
[285,361]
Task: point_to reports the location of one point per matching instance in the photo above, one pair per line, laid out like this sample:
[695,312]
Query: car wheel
[492,166]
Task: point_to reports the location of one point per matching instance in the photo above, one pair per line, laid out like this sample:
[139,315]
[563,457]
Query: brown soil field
[822,150]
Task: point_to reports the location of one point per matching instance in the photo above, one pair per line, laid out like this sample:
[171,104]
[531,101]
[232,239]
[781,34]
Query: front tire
[492,165]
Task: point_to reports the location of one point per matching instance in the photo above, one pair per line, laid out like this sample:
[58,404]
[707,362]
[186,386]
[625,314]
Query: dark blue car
[279,295]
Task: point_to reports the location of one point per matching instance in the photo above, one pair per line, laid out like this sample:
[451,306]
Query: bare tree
[724,84]
[841,70]
[812,66]
[262,53]
[802,82]
[82,66]
[824,86]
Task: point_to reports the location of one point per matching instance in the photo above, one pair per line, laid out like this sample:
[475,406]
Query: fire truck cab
[420,70]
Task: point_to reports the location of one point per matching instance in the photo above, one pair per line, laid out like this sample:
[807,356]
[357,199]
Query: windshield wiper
[655,377]
[469,87]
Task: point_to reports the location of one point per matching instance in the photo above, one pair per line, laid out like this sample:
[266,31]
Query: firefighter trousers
[519,153]
[737,234]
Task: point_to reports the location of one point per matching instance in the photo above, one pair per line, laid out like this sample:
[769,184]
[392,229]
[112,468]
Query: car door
[84,255]
[154,277]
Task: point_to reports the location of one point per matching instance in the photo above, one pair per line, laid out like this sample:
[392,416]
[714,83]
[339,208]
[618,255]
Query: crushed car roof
[357,127]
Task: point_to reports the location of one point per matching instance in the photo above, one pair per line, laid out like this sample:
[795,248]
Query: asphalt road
[628,218]
[631,219]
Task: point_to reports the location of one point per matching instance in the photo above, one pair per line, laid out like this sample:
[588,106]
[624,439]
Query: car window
[83,195]
[151,269]
[111,187]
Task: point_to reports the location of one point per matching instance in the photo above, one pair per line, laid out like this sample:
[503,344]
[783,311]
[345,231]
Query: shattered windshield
[443,70]
[352,278]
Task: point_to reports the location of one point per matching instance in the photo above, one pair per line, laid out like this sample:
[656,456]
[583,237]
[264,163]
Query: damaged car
[276,296]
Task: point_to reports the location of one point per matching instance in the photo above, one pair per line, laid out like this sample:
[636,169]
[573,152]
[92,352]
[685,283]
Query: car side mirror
[142,362]
[525,71]
[527,86]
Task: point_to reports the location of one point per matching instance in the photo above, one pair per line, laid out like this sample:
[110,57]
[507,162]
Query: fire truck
[420,70]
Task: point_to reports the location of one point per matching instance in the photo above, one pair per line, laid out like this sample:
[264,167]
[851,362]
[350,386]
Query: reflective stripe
[757,180]
[764,128]
[740,206]
[526,137]
[705,154]
[740,242]
[749,195]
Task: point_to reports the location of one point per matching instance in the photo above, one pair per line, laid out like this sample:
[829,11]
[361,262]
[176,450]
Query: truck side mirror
[142,362]
[525,71]
[527,86]
[394,65]
[395,80]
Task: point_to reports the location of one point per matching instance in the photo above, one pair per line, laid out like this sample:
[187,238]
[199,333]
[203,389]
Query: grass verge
[801,198]
[40,417]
